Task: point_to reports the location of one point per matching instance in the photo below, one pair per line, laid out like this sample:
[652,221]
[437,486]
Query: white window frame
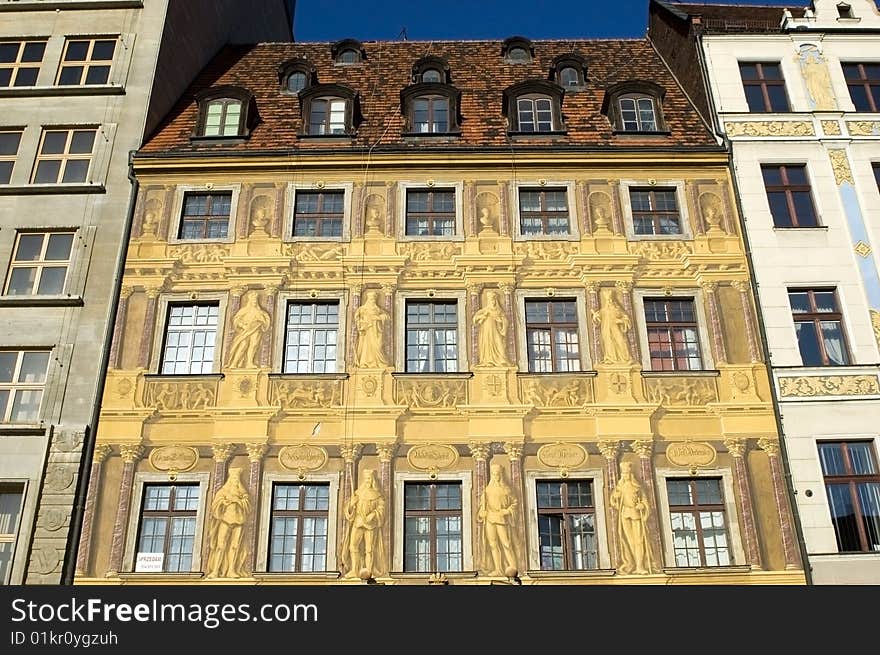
[533,542]
[430,185]
[737,554]
[697,295]
[177,211]
[680,198]
[636,97]
[574,233]
[533,98]
[162,323]
[41,263]
[15,536]
[580,297]
[463,477]
[399,331]
[134,516]
[290,206]
[269,479]
[316,296]
[15,386]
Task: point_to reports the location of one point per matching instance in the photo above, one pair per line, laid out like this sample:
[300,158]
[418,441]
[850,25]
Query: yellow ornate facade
[371,434]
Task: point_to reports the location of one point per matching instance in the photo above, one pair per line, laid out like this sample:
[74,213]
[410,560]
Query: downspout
[759,316]
[85,463]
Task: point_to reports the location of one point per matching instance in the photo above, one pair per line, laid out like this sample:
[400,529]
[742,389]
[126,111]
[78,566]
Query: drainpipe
[85,463]
[759,316]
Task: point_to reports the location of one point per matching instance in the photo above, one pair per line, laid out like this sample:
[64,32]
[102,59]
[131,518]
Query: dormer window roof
[348,51]
[517,50]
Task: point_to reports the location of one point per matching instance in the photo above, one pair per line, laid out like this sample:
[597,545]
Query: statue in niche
[229,511]
[712,210]
[375,205]
[600,209]
[486,208]
[613,323]
[151,218]
[632,507]
[370,320]
[363,549]
[491,322]
[498,514]
[260,208]
[815,70]
[249,323]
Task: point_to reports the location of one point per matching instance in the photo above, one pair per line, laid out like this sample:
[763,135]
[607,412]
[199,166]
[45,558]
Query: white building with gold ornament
[797,94]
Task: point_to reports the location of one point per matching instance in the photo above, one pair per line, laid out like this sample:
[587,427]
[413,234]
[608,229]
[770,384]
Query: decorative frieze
[829,385]
[770,128]
[691,392]
[559,392]
[175,395]
[305,393]
[430,393]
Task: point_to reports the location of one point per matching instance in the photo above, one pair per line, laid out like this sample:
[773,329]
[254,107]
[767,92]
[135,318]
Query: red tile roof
[477,70]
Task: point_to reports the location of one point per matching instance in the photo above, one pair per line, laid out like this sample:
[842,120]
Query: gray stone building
[81,83]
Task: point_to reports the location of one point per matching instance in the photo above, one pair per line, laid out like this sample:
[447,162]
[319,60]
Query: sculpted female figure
[229,511]
[249,323]
[370,322]
[492,324]
[613,326]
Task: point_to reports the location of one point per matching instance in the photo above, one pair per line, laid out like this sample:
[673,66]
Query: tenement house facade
[797,93]
[452,313]
[76,96]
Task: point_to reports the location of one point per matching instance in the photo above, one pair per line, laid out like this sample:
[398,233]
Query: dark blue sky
[367,20]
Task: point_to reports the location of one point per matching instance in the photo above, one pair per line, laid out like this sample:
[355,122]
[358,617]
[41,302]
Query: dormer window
[569,71]
[430,70]
[432,75]
[328,110]
[296,81]
[430,108]
[226,112]
[295,75]
[347,51]
[844,11]
[534,106]
[568,76]
[635,107]
[517,50]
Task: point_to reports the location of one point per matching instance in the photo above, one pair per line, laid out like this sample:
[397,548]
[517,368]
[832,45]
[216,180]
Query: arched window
[328,110]
[534,106]
[327,116]
[569,71]
[517,50]
[534,113]
[635,107]
[347,51]
[296,81]
[432,75]
[222,117]
[430,114]
[430,69]
[228,112]
[430,108]
[637,113]
[348,57]
[294,75]
[568,76]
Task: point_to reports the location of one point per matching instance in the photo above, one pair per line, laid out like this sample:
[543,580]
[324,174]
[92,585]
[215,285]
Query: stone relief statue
[363,549]
[815,70]
[229,512]
[261,208]
[632,507]
[614,323]
[374,208]
[487,209]
[712,210]
[492,332]
[249,323]
[600,210]
[151,217]
[498,512]
[370,320]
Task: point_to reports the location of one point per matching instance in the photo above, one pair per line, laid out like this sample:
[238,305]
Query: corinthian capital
[769,446]
[736,447]
[222,451]
[131,453]
[609,448]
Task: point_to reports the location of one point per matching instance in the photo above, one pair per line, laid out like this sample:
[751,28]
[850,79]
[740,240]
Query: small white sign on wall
[149,562]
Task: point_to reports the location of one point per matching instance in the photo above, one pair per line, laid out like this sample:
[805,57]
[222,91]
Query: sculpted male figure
[497,512]
[363,548]
[632,521]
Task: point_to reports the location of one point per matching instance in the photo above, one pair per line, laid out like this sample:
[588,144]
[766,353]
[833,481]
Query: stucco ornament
[632,507]
[498,513]
[492,332]
[614,323]
[229,511]
[600,210]
[370,320]
[261,207]
[249,323]
[712,210]
[816,75]
[363,551]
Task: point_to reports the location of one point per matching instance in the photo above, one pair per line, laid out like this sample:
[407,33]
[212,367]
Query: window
[297,81]
[568,76]
[699,531]
[225,112]
[298,527]
[788,192]
[517,50]
[518,55]
[534,106]
[430,212]
[819,327]
[347,51]
[654,211]
[168,524]
[20,62]
[863,80]
[205,216]
[543,211]
[764,86]
[567,525]
[9,142]
[430,107]
[535,114]
[637,114]
[432,527]
[39,263]
[844,11]
[673,340]
[64,156]
[348,57]
[552,336]
[327,116]
[852,484]
[432,75]
[431,114]
[876,167]
[318,213]
[190,338]
[22,378]
[223,117]
[86,62]
[11,497]
[431,337]
[312,335]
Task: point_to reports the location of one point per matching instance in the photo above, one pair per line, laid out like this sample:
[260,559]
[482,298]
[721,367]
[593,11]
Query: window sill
[635,133]
[415,136]
[48,5]
[446,376]
[586,573]
[41,301]
[307,239]
[200,242]
[551,374]
[536,135]
[54,91]
[659,237]
[427,574]
[798,228]
[702,570]
[317,576]
[36,189]
[224,140]
[326,138]
[165,577]
[308,376]
[707,373]
[522,238]
[430,237]
[195,377]
[835,369]
[22,429]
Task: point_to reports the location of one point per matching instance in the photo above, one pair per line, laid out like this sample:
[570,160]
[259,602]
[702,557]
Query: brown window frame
[298,514]
[433,329]
[763,83]
[655,214]
[66,156]
[871,85]
[565,511]
[431,122]
[816,317]
[8,159]
[695,509]
[205,218]
[672,329]
[320,216]
[433,513]
[851,479]
[789,189]
[433,217]
[15,67]
[534,90]
[87,63]
[543,213]
[169,514]
[552,328]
